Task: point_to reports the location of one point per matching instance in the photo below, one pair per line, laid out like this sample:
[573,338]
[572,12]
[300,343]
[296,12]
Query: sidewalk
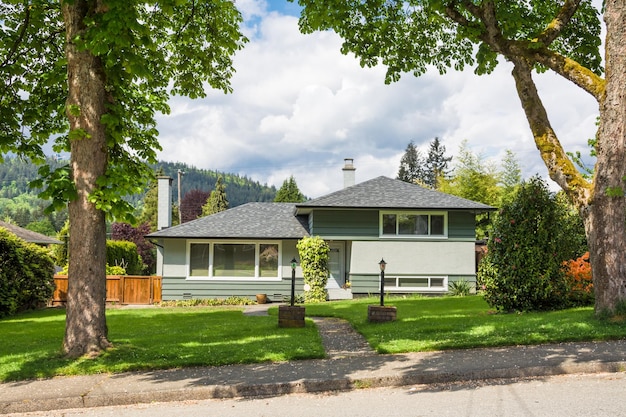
[342,371]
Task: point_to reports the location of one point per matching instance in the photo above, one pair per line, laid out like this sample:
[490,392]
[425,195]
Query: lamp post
[382,264]
[294,263]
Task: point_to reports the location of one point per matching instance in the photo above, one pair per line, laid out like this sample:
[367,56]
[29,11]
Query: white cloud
[299,107]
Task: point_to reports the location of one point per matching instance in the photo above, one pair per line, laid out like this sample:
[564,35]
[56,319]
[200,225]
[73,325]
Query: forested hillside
[20,205]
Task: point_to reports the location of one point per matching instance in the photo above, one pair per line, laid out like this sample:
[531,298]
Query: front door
[336,277]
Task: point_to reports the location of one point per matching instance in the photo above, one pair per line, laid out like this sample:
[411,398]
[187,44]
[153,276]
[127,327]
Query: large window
[406,224]
[234,260]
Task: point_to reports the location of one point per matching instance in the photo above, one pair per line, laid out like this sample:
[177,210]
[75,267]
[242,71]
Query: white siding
[431,258]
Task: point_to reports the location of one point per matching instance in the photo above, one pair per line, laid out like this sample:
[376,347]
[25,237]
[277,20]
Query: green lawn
[154,338]
[438,323]
[160,338]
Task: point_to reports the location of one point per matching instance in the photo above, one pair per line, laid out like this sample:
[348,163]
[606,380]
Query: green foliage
[460,288]
[124,254]
[436,164]
[412,165]
[26,275]
[289,192]
[217,200]
[522,270]
[414,36]
[61,253]
[313,253]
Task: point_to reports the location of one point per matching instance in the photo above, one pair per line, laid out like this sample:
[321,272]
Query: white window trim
[212,243]
[430,288]
[415,213]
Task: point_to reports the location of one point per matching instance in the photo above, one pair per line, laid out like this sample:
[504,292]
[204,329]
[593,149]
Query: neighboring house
[426,237]
[29,236]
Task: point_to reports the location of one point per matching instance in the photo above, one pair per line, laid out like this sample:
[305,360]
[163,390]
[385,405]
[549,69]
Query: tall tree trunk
[86,330]
[607,239]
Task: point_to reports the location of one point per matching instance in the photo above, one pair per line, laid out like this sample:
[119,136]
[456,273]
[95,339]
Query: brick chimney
[164,207]
[348,173]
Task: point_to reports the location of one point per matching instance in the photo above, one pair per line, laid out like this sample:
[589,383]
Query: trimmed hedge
[26,275]
[124,253]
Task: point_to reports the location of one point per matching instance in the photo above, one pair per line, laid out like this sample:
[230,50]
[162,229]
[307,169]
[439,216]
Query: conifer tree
[217,201]
[289,192]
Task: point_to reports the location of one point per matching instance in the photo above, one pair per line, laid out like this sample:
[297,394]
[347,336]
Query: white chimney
[164,207]
[348,173]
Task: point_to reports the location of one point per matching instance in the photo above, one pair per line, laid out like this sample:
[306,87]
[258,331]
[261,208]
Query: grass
[154,338]
[427,324]
[162,338]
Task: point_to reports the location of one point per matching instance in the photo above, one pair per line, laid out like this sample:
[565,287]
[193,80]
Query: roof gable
[387,193]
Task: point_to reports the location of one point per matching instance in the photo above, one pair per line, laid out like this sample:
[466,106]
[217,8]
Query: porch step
[339,294]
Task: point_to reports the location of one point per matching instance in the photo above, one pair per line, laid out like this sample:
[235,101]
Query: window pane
[436,282]
[233,260]
[414,282]
[406,224]
[436,225]
[199,260]
[389,224]
[268,260]
[421,227]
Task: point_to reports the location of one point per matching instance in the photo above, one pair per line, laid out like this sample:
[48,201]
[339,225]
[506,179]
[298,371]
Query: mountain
[20,205]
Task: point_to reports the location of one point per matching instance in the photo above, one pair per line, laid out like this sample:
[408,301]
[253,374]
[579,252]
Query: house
[426,237]
[29,235]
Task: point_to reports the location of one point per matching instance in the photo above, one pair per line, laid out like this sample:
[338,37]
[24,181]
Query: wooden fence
[121,289]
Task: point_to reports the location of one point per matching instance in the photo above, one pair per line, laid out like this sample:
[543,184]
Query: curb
[244,390]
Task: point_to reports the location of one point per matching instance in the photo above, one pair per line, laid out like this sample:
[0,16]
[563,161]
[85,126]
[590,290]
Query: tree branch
[19,39]
[554,28]
[560,167]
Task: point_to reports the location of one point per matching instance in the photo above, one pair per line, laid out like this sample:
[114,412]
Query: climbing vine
[313,253]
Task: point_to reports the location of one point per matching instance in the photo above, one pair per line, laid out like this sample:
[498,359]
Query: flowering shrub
[579,279]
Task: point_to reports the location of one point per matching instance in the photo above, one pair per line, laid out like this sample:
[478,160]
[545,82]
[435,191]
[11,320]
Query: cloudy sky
[299,107]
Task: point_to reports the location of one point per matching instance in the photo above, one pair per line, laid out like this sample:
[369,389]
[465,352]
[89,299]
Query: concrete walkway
[346,368]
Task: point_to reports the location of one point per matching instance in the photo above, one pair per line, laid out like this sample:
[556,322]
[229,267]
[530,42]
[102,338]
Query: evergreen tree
[510,177]
[217,201]
[436,164]
[289,192]
[411,165]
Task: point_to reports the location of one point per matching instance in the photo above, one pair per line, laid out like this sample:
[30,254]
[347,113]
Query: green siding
[329,223]
[178,288]
[461,225]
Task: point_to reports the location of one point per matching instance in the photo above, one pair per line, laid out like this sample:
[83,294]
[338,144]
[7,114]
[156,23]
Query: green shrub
[461,287]
[124,254]
[26,275]
[522,270]
[313,253]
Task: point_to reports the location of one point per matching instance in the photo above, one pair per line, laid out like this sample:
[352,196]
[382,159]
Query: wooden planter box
[289,316]
[381,314]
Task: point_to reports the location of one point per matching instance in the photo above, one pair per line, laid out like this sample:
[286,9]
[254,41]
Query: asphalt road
[593,395]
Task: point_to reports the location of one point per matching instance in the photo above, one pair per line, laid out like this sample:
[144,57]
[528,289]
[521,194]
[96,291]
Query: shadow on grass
[158,339]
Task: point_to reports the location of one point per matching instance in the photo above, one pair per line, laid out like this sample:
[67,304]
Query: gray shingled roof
[248,221]
[387,193]
[29,235]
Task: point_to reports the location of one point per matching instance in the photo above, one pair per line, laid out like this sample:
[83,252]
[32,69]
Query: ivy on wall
[313,253]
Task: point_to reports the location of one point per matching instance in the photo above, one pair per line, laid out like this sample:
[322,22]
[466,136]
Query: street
[562,396]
